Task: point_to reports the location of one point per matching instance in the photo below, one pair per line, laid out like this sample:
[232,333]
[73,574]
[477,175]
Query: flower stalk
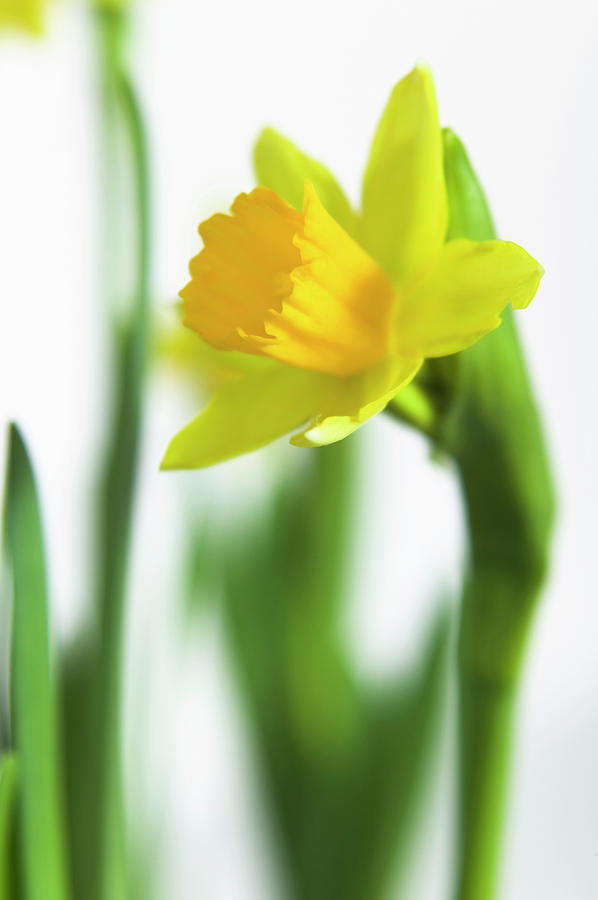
[119,478]
[93,729]
[494,433]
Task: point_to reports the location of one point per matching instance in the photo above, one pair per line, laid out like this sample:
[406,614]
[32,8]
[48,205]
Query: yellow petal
[246,414]
[404,196]
[462,297]
[202,367]
[282,167]
[354,400]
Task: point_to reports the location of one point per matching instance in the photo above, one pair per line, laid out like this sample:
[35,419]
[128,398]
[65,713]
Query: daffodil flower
[333,312]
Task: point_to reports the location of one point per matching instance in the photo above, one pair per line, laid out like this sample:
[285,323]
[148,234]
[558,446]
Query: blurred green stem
[486,726]
[494,433]
[119,477]
[413,407]
[98,833]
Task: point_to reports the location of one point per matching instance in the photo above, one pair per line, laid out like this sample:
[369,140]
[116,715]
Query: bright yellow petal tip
[460,299]
[405,209]
[245,414]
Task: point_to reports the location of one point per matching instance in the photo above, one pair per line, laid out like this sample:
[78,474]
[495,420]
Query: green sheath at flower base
[493,430]
[342,306]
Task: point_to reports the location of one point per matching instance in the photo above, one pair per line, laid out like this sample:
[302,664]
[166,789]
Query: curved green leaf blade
[345,762]
[8,781]
[42,846]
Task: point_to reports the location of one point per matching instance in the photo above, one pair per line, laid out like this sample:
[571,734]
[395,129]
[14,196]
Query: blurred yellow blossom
[24,15]
[339,309]
[29,15]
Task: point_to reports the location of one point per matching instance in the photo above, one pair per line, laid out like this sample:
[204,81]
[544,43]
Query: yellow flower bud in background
[29,15]
[22,15]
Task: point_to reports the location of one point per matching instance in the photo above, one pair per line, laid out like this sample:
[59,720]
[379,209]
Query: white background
[518,81]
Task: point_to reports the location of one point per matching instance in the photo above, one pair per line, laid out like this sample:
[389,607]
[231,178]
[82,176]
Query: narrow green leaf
[284,584]
[8,781]
[42,844]
[282,167]
[401,736]
[92,674]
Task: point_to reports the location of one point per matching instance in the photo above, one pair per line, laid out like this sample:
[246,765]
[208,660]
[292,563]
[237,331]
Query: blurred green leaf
[201,566]
[92,674]
[42,844]
[8,781]
[282,167]
[400,732]
[343,762]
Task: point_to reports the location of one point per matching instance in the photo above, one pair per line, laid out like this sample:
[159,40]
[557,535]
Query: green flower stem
[486,726]
[93,679]
[118,491]
[479,408]
[494,433]
[412,406]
